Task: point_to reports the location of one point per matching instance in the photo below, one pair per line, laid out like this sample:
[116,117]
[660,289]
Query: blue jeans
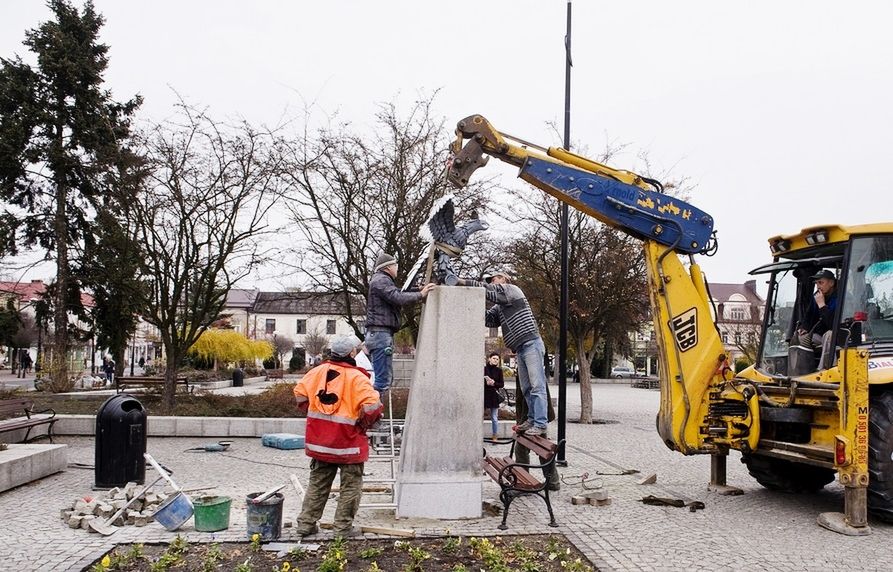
[494,420]
[532,377]
[381,346]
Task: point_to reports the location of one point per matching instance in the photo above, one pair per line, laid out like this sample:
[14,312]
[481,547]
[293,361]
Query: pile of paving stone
[85,509]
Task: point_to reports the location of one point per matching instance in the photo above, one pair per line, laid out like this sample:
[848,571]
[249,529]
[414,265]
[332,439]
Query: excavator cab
[863,267]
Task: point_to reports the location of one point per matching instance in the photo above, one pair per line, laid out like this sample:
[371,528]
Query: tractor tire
[781,475]
[880,456]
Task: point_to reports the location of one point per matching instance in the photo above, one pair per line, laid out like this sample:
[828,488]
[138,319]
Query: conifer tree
[59,136]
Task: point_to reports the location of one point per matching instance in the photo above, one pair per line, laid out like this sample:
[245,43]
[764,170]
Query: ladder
[386,450]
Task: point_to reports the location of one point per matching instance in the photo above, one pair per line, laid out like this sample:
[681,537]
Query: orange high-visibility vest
[336,432]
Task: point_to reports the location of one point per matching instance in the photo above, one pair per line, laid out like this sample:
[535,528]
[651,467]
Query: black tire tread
[880,450]
[781,475]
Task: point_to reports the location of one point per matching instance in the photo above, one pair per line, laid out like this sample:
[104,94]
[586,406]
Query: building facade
[291,314]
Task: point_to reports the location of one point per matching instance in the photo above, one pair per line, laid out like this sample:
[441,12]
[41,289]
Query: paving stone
[759,530]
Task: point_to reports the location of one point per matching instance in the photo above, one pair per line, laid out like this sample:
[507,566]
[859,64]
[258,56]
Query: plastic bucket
[212,513]
[174,512]
[265,517]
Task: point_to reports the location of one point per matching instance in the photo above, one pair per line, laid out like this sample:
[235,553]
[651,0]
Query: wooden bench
[26,418]
[514,479]
[122,382]
[275,374]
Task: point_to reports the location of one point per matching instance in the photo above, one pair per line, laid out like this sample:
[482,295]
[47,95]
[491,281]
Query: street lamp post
[562,313]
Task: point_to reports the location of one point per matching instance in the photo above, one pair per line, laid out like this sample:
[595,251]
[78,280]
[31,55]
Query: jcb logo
[685,329]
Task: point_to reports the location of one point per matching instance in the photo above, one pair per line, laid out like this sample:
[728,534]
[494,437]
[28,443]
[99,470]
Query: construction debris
[82,510]
[679,503]
[649,480]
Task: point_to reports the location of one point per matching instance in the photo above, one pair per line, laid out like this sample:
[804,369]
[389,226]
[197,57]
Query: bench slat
[539,445]
[17,406]
[525,481]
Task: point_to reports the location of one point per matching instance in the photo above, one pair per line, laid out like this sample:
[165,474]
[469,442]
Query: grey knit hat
[384,260]
[343,345]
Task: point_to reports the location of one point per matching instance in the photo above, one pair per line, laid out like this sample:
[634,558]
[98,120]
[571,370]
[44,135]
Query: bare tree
[201,220]
[356,195]
[282,345]
[607,296]
[315,342]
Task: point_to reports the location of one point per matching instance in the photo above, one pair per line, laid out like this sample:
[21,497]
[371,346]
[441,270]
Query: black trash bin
[120,442]
[238,377]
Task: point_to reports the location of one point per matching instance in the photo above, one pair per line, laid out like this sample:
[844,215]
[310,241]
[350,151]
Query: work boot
[554,486]
[307,531]
[535,432]
[352,532]
[523,427]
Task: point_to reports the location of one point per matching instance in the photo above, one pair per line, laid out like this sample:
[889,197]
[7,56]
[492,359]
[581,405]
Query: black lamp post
[562,312]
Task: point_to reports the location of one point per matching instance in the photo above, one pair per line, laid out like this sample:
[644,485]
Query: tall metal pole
[562,325]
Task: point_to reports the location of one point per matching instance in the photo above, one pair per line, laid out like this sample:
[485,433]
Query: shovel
[106,528]
[177,509]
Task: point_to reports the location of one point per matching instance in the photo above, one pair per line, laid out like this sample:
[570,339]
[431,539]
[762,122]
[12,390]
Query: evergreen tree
[59,135]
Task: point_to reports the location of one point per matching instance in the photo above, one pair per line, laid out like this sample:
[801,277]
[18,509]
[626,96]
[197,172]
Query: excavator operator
[814,330]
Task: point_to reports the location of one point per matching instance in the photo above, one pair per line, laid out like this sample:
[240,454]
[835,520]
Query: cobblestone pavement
[760,530]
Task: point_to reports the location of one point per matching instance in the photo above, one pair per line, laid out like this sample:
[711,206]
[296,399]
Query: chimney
[751,285]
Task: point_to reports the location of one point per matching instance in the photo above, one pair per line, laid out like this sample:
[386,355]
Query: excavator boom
[621,199]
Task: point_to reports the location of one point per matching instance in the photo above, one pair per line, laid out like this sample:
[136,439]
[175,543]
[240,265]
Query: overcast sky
[779,112]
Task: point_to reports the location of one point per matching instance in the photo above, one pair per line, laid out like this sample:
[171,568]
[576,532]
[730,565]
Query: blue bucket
[174,512]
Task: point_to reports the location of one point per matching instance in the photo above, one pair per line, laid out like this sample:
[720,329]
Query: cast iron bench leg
[552,522]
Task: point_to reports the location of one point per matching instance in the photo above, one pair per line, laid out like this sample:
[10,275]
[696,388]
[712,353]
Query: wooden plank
[386,531]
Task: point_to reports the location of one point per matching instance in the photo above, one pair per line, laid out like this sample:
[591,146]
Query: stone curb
[163,426]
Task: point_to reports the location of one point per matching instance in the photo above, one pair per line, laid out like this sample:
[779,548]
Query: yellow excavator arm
[703,409]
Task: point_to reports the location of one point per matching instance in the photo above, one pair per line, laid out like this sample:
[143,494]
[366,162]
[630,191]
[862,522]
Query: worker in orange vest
[341,404]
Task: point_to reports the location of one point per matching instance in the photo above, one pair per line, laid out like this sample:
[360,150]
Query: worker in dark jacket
[814,330]
[383,316]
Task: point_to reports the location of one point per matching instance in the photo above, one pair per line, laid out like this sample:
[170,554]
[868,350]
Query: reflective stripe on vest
[333,418]
[331,450]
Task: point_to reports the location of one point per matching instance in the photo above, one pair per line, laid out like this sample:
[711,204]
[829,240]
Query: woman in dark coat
[492,382]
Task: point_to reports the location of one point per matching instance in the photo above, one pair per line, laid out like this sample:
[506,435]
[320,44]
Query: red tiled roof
[31,291]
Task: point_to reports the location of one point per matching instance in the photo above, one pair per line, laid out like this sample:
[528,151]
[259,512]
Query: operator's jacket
[820,320]
[336,432]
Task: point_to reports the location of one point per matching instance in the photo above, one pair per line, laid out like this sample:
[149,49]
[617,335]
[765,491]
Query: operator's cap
[824,274]
[343,345]
[489,276]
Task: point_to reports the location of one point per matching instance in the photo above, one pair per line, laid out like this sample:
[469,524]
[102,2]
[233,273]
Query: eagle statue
[446,241]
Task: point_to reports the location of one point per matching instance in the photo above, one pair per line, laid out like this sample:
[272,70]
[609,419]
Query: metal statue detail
[446,241]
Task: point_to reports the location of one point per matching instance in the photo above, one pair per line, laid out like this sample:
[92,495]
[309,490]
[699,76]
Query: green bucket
[212,513]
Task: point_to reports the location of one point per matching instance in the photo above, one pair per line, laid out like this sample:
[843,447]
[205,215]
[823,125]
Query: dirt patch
[541,553]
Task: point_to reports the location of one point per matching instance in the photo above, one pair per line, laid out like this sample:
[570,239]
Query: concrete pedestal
[440,458]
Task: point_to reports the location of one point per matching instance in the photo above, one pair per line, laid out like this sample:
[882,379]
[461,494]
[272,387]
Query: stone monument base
[439,499]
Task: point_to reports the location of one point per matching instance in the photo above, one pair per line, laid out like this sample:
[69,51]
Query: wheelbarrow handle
[161,471]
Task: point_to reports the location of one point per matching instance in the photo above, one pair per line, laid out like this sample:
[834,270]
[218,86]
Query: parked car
[622,371]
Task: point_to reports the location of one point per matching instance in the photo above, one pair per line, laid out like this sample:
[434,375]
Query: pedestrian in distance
[521,334]
[383,316]
[493,382]
[108,367]
[340,404]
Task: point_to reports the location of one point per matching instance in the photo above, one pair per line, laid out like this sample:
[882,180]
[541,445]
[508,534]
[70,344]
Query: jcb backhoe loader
[797,422]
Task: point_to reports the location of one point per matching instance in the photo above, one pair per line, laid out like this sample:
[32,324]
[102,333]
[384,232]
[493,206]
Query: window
[725,338]
[270,326]
[738,338]
[739,313]
[301,327]
[330,326]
